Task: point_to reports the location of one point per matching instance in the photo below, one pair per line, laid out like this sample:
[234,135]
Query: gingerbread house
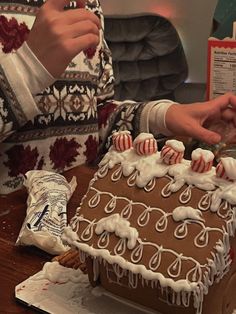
[158,229]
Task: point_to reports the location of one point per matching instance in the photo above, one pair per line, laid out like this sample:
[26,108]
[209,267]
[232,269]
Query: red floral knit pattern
[21,159]
[63,153]
[91,149]
[90,52]
[12,34]
[104,112]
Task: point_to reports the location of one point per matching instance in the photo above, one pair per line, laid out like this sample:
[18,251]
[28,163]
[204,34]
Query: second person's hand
[57,36]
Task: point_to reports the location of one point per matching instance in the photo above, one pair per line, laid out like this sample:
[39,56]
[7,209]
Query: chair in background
[148,57]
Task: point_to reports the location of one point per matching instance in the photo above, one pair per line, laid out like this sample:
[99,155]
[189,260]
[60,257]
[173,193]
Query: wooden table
[18,263]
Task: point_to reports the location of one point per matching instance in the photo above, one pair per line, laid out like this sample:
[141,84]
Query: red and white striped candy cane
[145,144]
[220,171]
[226,169]
[202,160]
[122,141]
[172,152]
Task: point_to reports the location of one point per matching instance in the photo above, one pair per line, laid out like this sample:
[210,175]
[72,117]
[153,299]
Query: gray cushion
[148,58]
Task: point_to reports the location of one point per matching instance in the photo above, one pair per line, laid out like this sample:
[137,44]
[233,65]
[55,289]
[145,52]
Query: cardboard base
[72,297]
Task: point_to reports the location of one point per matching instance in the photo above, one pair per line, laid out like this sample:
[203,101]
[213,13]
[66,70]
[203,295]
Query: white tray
[71,297]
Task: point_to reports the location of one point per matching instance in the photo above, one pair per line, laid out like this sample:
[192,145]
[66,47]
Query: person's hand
[193,120]
[57,36]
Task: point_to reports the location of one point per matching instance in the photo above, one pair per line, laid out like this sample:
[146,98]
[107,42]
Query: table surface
[19,263]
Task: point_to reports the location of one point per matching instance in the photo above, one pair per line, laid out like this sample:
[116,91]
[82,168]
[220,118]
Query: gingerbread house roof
[168,222]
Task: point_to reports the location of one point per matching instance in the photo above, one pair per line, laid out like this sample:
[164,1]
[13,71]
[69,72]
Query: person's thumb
[205,135]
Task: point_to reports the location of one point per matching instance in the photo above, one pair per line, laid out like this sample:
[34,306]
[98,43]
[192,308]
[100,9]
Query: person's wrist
[169,117]
[36,76]
[157,118]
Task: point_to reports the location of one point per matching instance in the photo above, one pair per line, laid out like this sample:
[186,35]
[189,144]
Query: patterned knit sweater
[68,123]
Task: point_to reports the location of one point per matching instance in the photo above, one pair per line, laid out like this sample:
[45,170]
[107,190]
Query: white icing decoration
[142,137]
[182,230]
[176,145]
[150,186]
[174,269]
[104,240]
[111,205]
[185,196]
[177,285]
[186,212]
[120,247]
[229,164]
[124,132]
[137,254]
[120,226]
[127,211]
[52,271]
[116,175]
[220,198]
[198,153]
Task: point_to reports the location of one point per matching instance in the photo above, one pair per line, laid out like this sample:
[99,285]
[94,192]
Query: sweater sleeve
[134,116]
[21,77]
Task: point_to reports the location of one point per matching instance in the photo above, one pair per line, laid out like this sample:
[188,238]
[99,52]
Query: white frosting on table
[53,272]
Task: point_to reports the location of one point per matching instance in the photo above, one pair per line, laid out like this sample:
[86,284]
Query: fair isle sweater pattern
[75,116]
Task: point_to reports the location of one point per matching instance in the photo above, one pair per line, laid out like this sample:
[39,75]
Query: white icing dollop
[121,227]
[176,145]
[229,164]
[142,137]
[124,132]
[207,155]
[187,212]
[56,273]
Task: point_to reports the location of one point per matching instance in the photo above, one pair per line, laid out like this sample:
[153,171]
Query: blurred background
[159,50]
[194,21]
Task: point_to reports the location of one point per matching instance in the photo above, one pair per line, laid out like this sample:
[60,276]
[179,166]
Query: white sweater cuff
[153,117]
[35,75]
[20,97]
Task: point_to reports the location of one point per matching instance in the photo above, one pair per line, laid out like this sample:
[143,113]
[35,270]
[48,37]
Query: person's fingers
[225,101]
[228,114]
[75,45]
[82,28]
[74,16]
[199,132]
[56,4]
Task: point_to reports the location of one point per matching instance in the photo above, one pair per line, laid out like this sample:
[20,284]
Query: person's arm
[56,37]
[162,117]
[134,116]
[17,105]
[195,120]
